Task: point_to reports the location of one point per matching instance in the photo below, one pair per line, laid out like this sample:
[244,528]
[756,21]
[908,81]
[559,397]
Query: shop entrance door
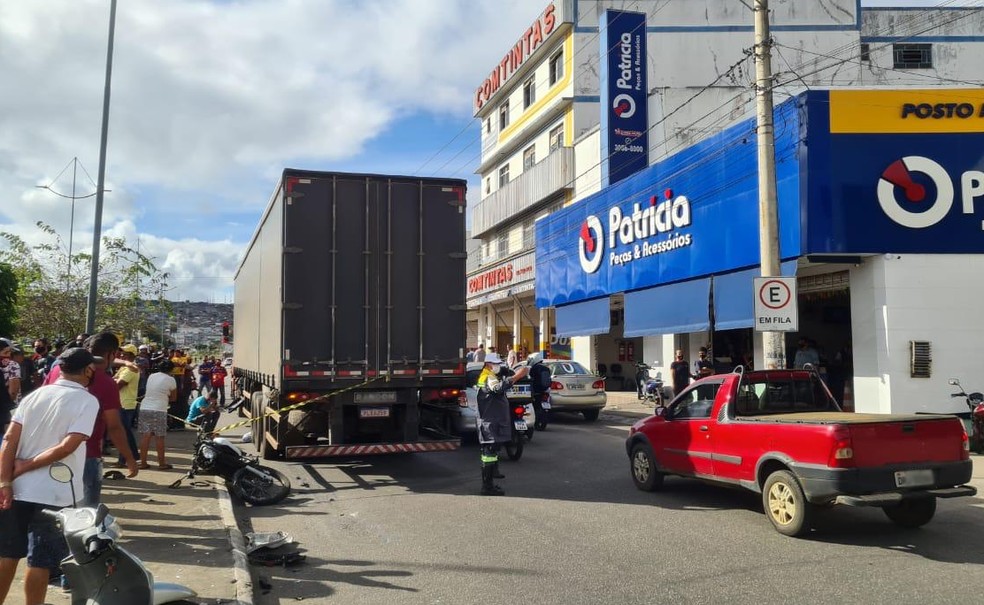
[825,322]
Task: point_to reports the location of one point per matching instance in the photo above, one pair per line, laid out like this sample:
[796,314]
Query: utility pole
[90,319]
[774,345]
[71,228]
[163,317]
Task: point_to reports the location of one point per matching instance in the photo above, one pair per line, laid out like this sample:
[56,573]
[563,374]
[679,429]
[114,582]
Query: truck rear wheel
[786,505]
[912,513]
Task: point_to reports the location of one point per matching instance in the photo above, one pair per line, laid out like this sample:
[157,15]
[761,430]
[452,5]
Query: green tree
[52,290]
[8,300]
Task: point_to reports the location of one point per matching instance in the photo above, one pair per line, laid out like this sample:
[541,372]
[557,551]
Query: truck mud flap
[368,449]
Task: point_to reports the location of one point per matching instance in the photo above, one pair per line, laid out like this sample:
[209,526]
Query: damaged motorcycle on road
[254,483]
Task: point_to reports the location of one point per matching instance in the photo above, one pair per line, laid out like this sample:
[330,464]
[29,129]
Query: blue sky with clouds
[211,100]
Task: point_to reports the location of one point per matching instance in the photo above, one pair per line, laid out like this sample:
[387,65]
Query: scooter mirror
[60,472]
[953,382]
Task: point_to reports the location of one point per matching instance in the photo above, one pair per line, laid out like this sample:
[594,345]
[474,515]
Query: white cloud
[210,100]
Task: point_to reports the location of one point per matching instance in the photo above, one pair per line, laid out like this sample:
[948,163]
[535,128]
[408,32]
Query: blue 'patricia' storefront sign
[624,95]
[858,172]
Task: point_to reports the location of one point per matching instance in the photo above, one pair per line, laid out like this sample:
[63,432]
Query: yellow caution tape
[295,406]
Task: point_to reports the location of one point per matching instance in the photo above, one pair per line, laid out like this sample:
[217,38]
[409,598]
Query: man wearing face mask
[49,425]
[495,423]
[108,422]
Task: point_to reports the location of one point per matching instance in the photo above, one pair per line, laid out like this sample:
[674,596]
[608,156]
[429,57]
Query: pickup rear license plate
[520,425]
[375,396]
[918,478]
[374,412]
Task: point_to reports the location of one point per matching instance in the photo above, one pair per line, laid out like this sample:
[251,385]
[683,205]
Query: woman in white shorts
[152,420]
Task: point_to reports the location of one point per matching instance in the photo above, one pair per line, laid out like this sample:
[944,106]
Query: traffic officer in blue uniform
[494,419]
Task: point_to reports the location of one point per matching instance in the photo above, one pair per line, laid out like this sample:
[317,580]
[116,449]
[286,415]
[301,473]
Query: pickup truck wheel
[912,513]
[645,474]
[785,504]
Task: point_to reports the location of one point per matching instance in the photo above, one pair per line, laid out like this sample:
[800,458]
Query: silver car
[574,389]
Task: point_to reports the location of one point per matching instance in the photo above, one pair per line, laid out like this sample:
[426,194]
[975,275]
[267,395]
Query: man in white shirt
[50,425]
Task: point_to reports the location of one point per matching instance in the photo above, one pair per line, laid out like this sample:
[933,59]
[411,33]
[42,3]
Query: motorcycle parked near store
[975,402]
[649,388]
[100,571]
[251,481]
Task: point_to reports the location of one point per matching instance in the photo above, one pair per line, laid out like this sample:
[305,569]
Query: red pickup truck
[781,433]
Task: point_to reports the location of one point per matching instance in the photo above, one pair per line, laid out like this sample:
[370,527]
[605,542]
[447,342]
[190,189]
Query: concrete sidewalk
[180,534]
[628,404]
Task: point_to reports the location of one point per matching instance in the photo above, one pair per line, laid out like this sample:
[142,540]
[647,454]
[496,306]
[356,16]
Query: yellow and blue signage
[624,95]
[853,178]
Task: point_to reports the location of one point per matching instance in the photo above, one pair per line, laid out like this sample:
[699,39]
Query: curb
[244,581]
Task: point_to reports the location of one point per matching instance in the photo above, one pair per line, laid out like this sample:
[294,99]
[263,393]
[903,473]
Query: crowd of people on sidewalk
[91,391]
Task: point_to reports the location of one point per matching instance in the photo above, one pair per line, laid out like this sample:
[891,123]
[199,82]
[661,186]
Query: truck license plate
[375,396]
[520,425]
[374,412]
[919,478]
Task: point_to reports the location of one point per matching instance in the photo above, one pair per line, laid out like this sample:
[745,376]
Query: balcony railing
[553,174]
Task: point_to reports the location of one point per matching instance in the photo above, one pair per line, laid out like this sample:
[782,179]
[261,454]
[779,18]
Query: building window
[529,92]
[556,138]
[488,185]
[488,125]
[913,56]
[529,157]
[529,233]
[502,244]
[865,53]
[556,67]
[503,175]
[503,115]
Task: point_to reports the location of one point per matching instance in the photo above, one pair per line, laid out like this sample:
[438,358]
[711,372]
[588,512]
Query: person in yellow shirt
[180,405]
[127,379]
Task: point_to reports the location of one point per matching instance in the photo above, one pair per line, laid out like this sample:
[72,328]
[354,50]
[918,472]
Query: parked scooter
[975,401]
[254,483]
[100,571]
[649,387]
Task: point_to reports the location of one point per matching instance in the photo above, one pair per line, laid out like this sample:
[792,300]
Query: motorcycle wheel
[514,449]
[258,490]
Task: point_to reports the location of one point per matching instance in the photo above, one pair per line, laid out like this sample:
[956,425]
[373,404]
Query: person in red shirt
[218,382]
[108,422]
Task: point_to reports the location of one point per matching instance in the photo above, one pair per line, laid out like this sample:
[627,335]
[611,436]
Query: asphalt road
[572,528]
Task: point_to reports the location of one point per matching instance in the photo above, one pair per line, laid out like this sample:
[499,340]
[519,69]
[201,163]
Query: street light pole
[773,343]
[90,320]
